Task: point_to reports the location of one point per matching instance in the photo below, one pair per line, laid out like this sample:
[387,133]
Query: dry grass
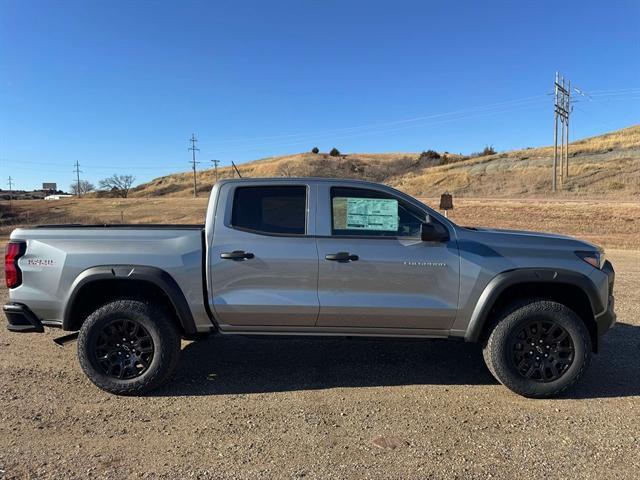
[375,167]
[606,166]
[612,224]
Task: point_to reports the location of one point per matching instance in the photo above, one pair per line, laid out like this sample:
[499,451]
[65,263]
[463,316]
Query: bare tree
[81,188]
[118,185]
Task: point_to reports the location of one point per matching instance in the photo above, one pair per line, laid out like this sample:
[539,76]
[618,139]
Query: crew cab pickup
[310,256]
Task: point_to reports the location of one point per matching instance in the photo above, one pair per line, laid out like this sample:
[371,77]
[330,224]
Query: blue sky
[121,85]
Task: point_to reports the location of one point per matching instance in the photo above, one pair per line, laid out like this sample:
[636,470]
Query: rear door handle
[236,255]
[341,257]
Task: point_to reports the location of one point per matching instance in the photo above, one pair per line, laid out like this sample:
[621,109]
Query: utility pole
[10,182]
[215,166]
[568,109]
[562,146]
[194,149]
[555,136]
[77,171]
[561,111]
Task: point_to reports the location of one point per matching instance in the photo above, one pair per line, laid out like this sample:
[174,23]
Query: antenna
[236,169]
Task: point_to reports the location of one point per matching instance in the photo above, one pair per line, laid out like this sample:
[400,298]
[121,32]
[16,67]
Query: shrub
[334,152]
[315,150]
[489,150]
[429,155]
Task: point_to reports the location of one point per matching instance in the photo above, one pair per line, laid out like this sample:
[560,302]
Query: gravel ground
[302,408]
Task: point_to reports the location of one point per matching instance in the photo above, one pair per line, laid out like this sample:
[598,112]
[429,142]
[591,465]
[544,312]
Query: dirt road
[248,408]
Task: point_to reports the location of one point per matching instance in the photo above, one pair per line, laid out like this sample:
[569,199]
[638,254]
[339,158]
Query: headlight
[595,259]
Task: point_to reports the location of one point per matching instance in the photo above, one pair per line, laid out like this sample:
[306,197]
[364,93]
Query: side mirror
[433,232]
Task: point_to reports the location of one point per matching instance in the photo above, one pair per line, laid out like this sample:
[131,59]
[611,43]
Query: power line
[488,107]
[599,120]
[379,128]
[615,91]
[194,149]
[386,131]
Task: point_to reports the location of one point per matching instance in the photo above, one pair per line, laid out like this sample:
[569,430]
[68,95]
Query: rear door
[375,272]
[263,260]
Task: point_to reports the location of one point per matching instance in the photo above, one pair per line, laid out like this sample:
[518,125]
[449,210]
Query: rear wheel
[128,347]
[538,349]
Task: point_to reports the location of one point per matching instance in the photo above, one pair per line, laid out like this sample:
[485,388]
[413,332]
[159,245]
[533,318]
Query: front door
[264,265]
[375,272]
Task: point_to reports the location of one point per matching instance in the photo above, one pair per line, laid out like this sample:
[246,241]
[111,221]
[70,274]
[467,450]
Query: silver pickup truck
[307,256]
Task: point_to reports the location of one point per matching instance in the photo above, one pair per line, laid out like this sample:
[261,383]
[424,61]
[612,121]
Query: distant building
[57,197]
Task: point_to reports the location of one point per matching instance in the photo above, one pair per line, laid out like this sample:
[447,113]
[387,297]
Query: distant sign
[372,214]
[50,186]
[446,201]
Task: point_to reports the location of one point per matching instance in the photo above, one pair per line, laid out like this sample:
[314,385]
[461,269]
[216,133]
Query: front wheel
[128,347]
[538,349]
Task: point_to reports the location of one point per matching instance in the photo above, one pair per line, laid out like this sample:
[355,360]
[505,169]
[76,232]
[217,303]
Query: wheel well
[569,295]
[96,293]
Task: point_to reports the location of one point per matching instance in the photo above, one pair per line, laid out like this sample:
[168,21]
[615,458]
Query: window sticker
[371,214]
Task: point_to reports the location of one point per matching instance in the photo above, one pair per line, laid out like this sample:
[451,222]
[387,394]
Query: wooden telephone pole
[193,162]
[10,182]
[561,111]
[215,166]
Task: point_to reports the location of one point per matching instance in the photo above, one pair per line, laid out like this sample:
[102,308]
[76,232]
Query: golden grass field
[603,166]
[600,201]
[612,223]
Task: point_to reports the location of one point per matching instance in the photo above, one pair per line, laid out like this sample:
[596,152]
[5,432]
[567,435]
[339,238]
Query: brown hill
[605,165]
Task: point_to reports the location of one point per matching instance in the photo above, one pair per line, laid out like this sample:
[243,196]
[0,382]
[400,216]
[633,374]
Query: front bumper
[607,319]
[21,319]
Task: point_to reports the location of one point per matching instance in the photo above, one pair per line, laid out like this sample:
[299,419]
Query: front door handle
[236,255]
[341,257]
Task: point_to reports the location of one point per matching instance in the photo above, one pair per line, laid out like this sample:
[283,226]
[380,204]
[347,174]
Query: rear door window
[279,210]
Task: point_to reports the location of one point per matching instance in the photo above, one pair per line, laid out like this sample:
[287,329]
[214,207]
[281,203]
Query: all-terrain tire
[524,333]
[161,334]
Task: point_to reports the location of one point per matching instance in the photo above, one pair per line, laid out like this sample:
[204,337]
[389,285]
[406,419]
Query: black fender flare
[504,280]
[156,276]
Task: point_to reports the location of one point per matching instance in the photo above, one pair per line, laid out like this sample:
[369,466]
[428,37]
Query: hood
[530,236]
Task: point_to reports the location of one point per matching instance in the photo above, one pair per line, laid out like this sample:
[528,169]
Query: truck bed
[57,256]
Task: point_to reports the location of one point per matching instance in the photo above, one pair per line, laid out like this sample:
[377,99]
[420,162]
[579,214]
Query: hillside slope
[605,165]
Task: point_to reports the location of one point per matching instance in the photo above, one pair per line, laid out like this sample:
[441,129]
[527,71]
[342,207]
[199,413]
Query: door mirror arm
[433,232]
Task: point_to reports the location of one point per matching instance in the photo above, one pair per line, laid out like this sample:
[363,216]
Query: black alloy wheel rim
[124,349]
[542,351]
